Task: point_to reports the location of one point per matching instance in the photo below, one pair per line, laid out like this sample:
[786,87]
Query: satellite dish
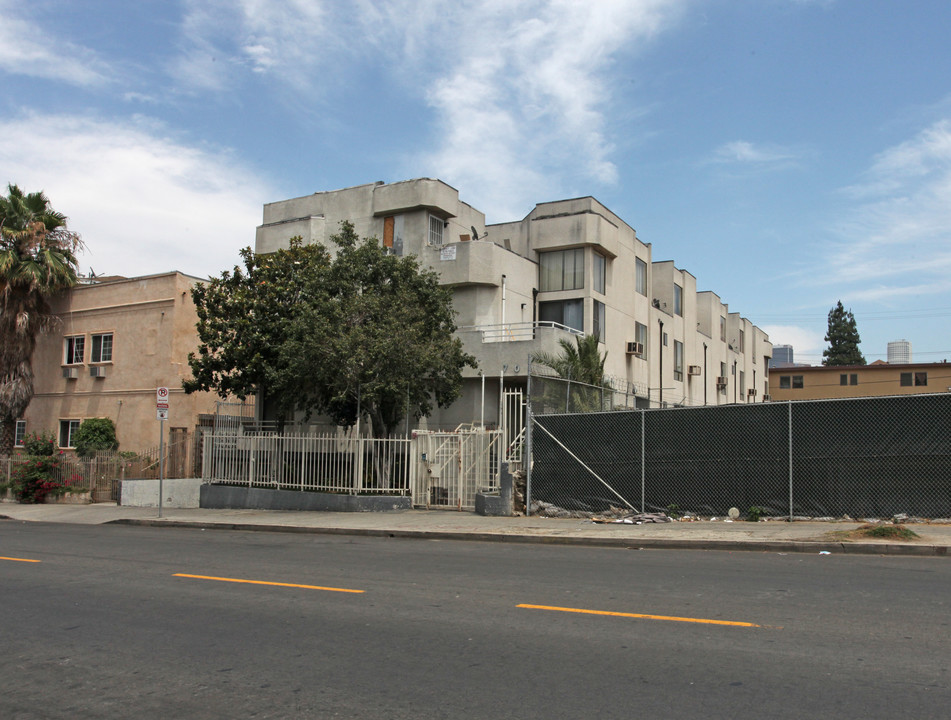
[475,233]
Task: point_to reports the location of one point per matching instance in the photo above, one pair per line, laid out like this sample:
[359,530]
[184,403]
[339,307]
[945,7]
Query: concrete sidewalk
[773,536]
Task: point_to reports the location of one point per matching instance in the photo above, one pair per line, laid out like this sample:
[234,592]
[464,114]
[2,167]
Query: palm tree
[580,362]
[37,261]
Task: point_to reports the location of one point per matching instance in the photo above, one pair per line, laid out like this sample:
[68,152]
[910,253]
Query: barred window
[435,231]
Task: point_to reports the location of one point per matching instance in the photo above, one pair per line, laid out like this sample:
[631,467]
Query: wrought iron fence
[864,458]
[102,474]
[324,463]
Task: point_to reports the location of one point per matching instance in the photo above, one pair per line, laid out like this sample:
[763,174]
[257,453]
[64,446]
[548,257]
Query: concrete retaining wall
[178,492]
[244,498]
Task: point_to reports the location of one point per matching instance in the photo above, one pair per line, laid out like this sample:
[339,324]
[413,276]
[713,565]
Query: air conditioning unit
[635,348]
[97,371]
[766,398]
[71,373]
[751,392]
[721,381]
[693,369]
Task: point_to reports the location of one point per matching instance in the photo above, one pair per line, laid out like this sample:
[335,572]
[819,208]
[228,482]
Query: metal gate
[454,466]
[513,425]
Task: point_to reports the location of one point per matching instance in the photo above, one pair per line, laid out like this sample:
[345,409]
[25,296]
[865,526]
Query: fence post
[643,459]
[789,425]
[527,459]
[358,467]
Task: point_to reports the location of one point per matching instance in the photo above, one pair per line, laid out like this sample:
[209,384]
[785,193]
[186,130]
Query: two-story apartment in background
[117,340]
[878,379]
[569,267]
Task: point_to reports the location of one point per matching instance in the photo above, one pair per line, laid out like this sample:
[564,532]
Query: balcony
[510,344]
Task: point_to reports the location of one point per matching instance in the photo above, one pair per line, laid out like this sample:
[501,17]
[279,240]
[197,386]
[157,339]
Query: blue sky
[788,153]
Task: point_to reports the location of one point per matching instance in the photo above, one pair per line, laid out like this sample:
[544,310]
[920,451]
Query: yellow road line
[265,582]
[639,615]
[19,559]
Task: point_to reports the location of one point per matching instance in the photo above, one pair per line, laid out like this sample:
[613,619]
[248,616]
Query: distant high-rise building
[899,352]
[782,356]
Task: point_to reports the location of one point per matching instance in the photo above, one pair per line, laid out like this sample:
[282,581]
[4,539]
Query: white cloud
[143,203]
[897,236]
[741,151]
[27,48]
[519,90]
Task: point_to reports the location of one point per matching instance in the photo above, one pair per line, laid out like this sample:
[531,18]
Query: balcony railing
[515,332]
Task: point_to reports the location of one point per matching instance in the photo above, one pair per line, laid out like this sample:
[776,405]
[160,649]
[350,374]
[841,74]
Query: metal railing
[318,463]
[514,332]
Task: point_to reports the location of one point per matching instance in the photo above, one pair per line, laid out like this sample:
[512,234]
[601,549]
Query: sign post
[161,414]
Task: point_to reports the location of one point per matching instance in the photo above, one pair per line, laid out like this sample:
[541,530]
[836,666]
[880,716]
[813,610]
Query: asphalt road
[120,622]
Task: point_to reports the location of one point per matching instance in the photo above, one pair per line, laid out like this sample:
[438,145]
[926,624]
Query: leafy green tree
[37,262]
[246,317]
[95,434]
[384,341]
[365,330]
[843,338]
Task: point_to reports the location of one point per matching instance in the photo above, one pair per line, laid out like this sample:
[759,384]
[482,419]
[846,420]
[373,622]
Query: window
[599,266]
[742,341]
[797,382]
[20,433]
[101,348]
[785,382]
[561,270]
[742,384]
[640,276]
[74,350]
[678,300]
[722,329]
[678,360]
[67,431]
[921,379]
[599,320]
[640,335]
[569,313]
[853,379]
[435,231]
[722,385]
[905,380]
[843,379]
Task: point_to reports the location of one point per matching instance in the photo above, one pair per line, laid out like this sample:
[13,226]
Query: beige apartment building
[569,267]
[118,340]
[850,381]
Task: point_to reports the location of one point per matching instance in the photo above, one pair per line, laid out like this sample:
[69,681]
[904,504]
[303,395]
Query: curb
[789,546]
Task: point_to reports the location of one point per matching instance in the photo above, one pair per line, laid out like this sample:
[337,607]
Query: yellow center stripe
[265,582]
[19,559]
[638,615]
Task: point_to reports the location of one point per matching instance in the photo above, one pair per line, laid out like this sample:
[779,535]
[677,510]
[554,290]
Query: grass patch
[878,531]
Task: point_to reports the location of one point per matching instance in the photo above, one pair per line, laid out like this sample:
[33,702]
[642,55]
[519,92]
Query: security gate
[454,466]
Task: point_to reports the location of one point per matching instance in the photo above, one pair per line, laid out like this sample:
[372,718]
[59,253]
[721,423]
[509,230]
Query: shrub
[95,434]
[37,478]
[39,444]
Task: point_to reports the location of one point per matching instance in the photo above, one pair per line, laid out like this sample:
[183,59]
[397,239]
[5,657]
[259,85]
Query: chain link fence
[864,458]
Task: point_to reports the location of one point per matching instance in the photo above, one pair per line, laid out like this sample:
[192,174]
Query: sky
[787,153]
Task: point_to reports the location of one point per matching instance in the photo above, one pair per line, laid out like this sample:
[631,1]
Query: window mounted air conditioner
[70,373]
[751,392]
[635,348]
[693,369]
[98,371]
[721,381]
[765,398]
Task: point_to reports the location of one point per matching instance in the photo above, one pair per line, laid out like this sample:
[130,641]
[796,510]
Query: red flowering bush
[40,475]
